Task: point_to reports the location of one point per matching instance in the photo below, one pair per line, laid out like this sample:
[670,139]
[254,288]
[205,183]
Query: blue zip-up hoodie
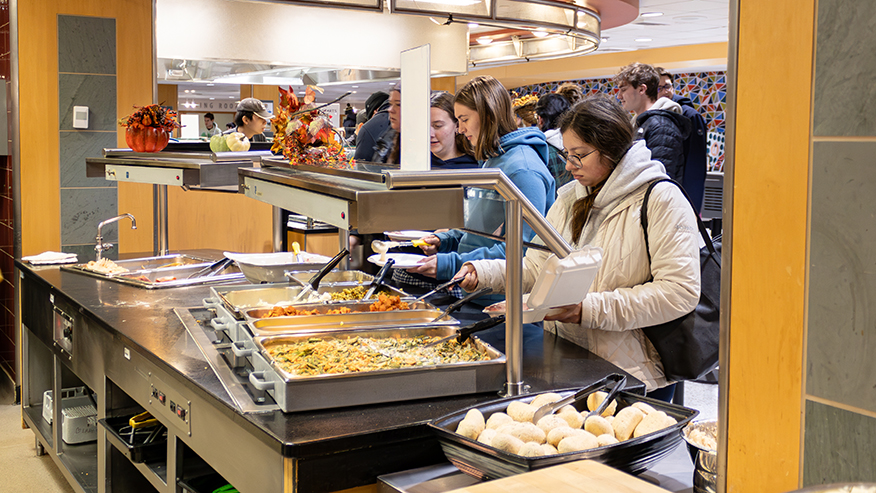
[523,157]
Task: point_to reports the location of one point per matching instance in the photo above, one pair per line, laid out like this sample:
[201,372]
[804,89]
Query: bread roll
[571,416]
[531,449]
[549,449]
[476,417]
[577,442]
[598,426]
[498,419]
[542,399]
[506,443]
[557,434]
[550,422]
[653,422]
[606,439]
[520,411]
[645,408]
[486,436]
[596,398]
[526,432]
[625,422]
[468,429]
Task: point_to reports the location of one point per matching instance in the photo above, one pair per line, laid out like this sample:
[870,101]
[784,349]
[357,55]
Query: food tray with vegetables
[321,369]
[632,449]
[239,299]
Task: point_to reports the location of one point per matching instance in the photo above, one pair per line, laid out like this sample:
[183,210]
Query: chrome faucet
[101,247]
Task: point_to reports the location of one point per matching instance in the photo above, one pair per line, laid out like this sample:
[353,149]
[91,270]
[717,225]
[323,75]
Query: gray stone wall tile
[98,92]
[74,148]
[81,211]
[844,68]
[838,446]
[86,45]
[842,276]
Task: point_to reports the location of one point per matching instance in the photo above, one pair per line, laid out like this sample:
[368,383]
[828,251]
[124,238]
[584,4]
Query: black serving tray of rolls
[633,456]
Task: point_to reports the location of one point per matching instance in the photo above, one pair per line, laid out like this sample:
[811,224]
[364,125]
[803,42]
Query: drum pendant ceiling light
[524,30]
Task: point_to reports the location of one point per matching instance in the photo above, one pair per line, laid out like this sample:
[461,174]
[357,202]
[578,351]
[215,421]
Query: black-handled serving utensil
[548,409]
[441,287]
[313,284]
[458,304]
[378,280]
[462,334]
[211,269]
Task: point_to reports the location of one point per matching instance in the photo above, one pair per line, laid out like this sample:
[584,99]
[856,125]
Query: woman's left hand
[428,266]
[571,314]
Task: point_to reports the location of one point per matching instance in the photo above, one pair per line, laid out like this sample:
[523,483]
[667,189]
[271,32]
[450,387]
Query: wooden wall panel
[224,221]
[444,84]
[38,100]
[770,190]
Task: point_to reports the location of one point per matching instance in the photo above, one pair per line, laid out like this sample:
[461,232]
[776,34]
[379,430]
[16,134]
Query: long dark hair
[489,98]
[443,100]
[550,107]
[601,122]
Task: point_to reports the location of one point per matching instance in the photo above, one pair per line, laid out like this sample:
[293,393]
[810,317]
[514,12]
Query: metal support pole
[278,228]
[344,242]
[159,217]
[514,293]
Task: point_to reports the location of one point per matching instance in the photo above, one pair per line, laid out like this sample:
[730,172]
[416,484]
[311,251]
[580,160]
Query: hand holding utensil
[458,304]
[441,287]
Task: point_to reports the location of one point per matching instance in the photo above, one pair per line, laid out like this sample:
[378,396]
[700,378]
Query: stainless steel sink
[166,271]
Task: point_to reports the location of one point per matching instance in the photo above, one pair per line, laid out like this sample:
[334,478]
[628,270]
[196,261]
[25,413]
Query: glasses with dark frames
[576,159]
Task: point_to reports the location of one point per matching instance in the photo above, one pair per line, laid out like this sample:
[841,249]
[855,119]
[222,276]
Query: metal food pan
[174,277]
[354,276]
[422,315]
[145,264]
[239,299]
[295,393]
[633,456]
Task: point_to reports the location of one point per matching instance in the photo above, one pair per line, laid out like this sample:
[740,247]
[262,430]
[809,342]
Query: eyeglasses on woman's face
[576,159]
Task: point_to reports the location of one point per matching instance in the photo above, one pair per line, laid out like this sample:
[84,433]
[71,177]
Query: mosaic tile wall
[707,90]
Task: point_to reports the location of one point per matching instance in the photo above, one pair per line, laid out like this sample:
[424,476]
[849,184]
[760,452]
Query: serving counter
[130,348]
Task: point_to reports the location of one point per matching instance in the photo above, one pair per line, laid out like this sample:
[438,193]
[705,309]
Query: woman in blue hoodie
[485,118]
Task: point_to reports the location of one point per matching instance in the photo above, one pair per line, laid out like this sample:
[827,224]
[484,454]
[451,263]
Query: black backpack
[695,155]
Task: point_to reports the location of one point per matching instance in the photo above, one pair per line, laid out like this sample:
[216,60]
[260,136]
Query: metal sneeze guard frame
[517,208]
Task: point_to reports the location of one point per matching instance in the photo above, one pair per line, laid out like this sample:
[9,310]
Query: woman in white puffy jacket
[602,207]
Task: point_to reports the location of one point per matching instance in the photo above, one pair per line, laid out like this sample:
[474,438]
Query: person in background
[377,116]
[387,149]
[210,124]
[229,126]
[548,110]
[251,119]
[658,121]
[601,208]
[484,115]
[524,111]
[571,91]
[695,145]
[450,150]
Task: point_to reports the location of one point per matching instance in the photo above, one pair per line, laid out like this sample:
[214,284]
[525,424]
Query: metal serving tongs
[378,280]
[462,334]
[447,285]
[458,304]
[620,382]
[313,284]
[211,269]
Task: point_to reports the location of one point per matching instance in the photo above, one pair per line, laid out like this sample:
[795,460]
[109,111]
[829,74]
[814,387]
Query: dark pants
[664,393]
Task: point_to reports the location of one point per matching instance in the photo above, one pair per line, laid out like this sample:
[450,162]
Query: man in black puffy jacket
[659,121]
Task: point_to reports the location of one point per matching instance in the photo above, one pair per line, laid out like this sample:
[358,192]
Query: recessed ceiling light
[484,40]
[643,40]
[605,39]
[354,92]
[392,83]
[540,33]
[211,99]
[651,14]
[230,97]
[355,87]
[210,84]
[473,25]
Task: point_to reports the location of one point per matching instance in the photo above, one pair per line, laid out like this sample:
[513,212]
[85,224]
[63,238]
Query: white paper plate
[402,260]
[408,235]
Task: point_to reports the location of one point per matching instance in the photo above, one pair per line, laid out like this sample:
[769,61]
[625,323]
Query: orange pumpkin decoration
[146,139]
